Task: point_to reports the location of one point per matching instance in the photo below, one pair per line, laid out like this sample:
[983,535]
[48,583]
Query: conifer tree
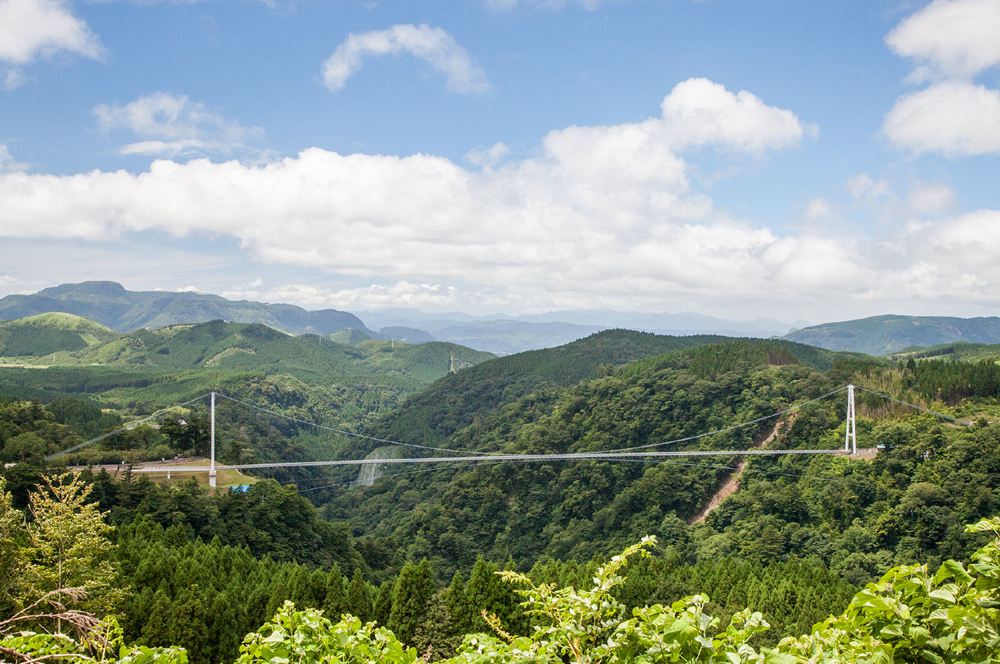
[336,594]
[11,527]
[410,598]
[359,602]
[459,609]
[69,546]
[383,603]
[487,591]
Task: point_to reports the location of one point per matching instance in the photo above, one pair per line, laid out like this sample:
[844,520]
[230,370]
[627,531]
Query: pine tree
[383,603]
[69,546]
[359,602]
[410,597]
[459,609]
[336,594]
[486,591]
[11,527]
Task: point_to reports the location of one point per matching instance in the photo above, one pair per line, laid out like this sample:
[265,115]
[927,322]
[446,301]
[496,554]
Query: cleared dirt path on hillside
[732,483]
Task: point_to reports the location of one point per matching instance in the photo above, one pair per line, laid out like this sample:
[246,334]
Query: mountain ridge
[111,304]
[892,333]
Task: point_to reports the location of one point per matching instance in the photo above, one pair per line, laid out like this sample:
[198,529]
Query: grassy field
[225,478]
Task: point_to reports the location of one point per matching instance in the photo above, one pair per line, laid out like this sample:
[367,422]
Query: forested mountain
[507,334]
[457,400]
[796,539]
[112,305]
[575,510]
[44,334]
[959,351]
[882,335]
[182,357]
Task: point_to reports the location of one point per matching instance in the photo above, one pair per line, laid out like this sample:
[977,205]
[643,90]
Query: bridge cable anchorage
[125,427]
[345,432]
[686,439]
[923,409]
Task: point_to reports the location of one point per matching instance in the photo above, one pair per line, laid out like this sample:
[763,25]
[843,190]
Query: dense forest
[439,553]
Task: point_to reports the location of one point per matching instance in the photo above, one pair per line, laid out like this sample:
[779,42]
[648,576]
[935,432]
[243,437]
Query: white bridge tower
[851,430]
[211,465]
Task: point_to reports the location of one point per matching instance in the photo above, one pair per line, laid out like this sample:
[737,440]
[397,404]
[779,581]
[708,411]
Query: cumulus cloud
[173,125]
[433,45]
[951,118]
[602,216]
[931,199]
[950,38]
[952,41]
[488,157]
[7,162]
[702,112]
[865,188]
[30,29]
[400,293]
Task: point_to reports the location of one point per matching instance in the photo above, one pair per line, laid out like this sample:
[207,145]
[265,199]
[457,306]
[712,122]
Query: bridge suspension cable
[125,427]
[344,432]
[924,409]
[635,452]
[733,427]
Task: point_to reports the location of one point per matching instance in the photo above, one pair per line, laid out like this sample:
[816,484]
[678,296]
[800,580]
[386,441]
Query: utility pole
[851,429]
[211,467]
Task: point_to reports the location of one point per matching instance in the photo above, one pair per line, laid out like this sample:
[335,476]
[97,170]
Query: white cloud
[929,199]
[10,284]
[599,217]
[433,45]
[863,187]
[818,209]
[488,157]
[701,112]
[173,125]
[30,29]
[375,296]
[7,162]
[953,41]
[952,118]
[13,78]
[950,38]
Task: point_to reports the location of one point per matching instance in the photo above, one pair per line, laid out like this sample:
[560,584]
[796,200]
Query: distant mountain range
[505,334]
[113,308]
[110,304]
[882,335]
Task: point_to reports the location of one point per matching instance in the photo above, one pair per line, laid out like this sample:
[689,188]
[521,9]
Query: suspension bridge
[647,452]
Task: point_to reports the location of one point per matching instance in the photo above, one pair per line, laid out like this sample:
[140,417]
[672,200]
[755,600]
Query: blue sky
[818,160]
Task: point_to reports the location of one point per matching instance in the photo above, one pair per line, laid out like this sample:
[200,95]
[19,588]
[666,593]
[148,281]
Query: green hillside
[785,506]
[456,401]
[795,537]
[153,368]
[48,333]
[349,336]
[882,335]
[961,352]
